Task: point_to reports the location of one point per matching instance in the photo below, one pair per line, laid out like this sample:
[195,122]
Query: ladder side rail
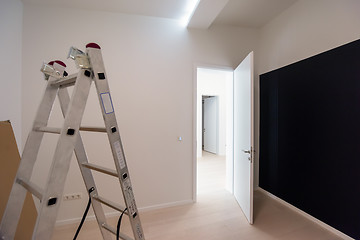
[108,113]
[86,173]
[61,161]
[16,199]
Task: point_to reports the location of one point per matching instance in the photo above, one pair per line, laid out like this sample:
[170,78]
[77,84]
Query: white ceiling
[251,13]
[243,13]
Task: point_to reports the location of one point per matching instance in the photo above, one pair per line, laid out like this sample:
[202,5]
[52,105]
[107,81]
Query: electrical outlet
[72,196]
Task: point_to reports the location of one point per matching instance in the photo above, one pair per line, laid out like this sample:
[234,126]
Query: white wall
[10,64]
[307,28]
[150,66]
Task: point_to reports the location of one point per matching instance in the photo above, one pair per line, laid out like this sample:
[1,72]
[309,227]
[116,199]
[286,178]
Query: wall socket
[72,196]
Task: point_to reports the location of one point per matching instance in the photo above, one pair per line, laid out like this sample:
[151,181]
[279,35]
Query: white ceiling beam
[205,13]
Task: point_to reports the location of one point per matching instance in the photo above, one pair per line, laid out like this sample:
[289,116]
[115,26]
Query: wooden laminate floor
[215,216]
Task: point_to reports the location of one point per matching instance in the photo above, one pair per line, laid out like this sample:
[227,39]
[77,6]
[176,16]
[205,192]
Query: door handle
[246,151]
[249,152]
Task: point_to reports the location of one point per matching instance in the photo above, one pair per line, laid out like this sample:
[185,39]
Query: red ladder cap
[58,62]
[93,45]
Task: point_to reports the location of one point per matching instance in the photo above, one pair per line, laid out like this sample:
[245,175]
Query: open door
[244,135]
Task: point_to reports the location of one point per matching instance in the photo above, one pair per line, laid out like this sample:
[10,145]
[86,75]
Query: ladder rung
[93,129]
[69,80]
[58,130]
[110,204]
[100,169]
[48,130]
[113,230]
[32,188]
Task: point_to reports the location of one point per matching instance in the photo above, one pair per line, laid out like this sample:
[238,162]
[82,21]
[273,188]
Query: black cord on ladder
[85,213]
[119,223]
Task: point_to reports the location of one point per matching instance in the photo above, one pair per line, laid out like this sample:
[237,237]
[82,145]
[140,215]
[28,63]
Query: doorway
[214,124]
[239,159]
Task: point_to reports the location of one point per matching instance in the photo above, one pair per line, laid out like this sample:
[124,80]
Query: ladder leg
[102,87]
[86,173]
[62,156]
[16,199]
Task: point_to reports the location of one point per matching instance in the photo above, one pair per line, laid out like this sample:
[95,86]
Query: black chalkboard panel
[310,136]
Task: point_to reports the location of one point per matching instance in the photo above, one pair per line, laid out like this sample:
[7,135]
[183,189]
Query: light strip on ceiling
[190,8]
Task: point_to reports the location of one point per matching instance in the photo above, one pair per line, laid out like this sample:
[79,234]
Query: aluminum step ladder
[91,69]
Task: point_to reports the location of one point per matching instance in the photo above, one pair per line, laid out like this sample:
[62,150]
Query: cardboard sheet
[9,162]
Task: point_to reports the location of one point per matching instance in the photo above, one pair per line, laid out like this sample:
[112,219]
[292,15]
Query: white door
[244,135]
[210,124]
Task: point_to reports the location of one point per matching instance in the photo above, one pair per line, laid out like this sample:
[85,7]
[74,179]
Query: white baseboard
[73,220]
[165,205]
[308,216]
[88,218]
[116,213]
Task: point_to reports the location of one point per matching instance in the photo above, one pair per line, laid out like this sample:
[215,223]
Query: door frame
[194,124]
